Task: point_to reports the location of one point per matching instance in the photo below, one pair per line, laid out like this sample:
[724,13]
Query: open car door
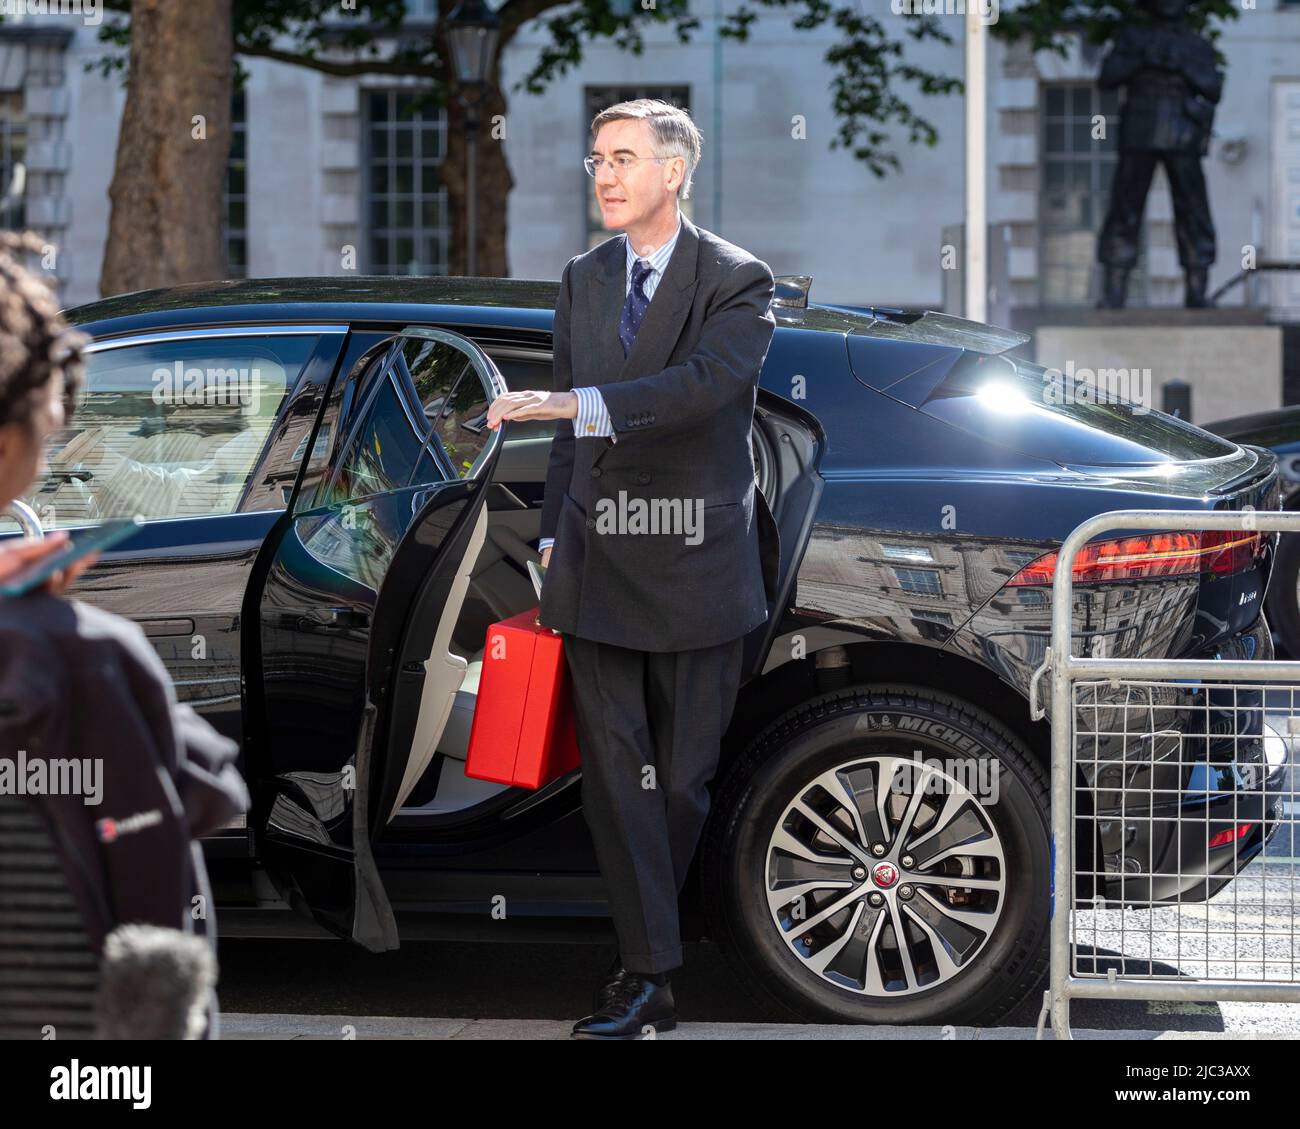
[357,610]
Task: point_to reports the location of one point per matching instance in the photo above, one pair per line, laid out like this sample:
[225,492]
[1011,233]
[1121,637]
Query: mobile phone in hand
[81,543]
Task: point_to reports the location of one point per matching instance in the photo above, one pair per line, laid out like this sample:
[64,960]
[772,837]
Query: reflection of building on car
[1279,430]
[920,490]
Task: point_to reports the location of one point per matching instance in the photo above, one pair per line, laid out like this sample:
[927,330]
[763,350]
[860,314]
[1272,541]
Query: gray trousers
[649,725]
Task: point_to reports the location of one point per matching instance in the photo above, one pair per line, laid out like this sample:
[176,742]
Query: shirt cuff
[545,543]
[593,417]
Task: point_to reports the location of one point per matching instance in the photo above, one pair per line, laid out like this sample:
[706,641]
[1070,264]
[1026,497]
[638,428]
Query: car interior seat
[498,589]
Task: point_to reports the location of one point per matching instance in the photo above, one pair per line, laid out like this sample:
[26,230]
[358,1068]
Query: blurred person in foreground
[106,780]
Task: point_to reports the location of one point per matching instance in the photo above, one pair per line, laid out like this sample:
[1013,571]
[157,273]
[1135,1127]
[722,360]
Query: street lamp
[472,32]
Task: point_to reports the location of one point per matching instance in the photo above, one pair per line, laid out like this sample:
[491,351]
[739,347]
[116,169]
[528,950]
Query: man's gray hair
[674,133]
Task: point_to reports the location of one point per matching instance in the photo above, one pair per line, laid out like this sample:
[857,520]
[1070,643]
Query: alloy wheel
[885,875]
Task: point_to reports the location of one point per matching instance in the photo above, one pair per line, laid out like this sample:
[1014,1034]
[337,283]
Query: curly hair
[36,344]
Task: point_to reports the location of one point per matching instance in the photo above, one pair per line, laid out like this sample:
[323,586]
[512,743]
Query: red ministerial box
[523,717]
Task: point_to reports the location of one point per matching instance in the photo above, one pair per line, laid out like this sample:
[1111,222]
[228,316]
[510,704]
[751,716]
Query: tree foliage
[876,89]
[1050,24]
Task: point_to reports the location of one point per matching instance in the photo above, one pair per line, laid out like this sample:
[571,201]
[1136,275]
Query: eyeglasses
[620,164]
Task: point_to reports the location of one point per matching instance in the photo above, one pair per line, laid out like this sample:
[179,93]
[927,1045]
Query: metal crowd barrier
[1142,747]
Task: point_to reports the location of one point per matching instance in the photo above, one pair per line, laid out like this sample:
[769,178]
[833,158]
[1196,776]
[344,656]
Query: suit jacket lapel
[607,309]
[666,315]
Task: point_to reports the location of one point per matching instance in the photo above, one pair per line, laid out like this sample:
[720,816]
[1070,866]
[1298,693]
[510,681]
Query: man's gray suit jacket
[701,568]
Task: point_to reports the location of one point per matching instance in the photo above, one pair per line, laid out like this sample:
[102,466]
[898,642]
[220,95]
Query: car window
[433,368]
[168,429]
[386,448]
[461,426]
[453,399]
[521,373]
[426,423]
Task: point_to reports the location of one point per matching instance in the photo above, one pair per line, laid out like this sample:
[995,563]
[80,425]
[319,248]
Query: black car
[331,530]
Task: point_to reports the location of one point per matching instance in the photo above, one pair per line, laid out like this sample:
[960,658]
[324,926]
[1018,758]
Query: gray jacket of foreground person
[86,701]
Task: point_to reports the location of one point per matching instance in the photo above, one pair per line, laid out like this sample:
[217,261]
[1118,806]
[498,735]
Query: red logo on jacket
[109,830]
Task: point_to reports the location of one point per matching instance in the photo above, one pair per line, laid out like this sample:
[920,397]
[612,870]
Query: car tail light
[1223,838]
[1237,551]
[1151,556]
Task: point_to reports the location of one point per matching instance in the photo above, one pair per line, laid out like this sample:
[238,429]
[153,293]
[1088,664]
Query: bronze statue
[1172,82]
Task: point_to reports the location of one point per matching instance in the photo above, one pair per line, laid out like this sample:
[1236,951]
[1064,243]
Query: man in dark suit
[661,555]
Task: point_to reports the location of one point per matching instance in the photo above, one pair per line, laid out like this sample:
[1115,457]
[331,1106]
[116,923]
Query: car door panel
[183,582]
[789,443]
[430,681]
[356,612]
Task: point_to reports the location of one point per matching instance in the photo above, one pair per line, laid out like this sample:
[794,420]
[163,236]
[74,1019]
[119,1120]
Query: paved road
[339,1027]
[538,989]
[551,984]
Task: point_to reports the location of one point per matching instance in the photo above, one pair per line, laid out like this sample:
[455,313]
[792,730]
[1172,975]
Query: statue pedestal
[1231,358]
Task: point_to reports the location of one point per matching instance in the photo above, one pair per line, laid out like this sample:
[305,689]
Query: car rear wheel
[880,855]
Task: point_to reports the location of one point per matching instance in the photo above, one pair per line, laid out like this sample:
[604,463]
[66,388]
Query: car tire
[793,768]
[1284,594]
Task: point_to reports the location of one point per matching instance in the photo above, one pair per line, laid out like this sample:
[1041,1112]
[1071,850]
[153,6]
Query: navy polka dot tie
[634,307]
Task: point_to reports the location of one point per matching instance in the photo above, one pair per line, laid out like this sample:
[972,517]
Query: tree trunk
[167,192]
[494,182]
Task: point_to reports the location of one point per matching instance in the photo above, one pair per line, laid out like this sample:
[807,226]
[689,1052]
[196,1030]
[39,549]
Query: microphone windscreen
[154,983]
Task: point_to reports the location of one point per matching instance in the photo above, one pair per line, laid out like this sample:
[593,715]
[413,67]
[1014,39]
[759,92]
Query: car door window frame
[407,381]
[488,375]
[364,405]
[479,362]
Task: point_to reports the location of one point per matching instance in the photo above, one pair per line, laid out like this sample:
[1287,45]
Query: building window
[1019,558]
[1077,171]
[912,553]
[236,195]
[13,161]
[930,615]
[924,581]
[930,624]
[406,202]
[350,14]
[1032,597]
[601,97]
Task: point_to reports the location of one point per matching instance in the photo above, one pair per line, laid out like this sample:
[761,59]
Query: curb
[277,1026]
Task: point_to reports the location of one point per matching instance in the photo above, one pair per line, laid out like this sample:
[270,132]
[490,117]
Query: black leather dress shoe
[613,976]
[633,1004]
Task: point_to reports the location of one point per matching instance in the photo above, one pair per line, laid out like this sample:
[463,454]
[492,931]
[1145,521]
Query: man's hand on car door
[531,404]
